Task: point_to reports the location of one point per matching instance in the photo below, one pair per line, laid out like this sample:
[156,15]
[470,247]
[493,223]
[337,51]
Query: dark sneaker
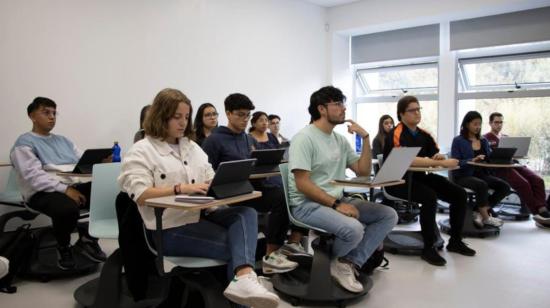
[65,258]
[91,250]
[461,248]
[432,256]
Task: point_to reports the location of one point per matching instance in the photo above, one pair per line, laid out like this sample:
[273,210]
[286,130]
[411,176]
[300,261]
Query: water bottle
[116,152]
[358,143]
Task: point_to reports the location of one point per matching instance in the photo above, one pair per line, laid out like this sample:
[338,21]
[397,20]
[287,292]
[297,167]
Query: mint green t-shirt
[326,156]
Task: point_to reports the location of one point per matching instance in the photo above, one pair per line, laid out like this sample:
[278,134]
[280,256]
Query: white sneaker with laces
[246,290]
[345,274]
[294,249]
[478,220]
[277,262]
[493,221]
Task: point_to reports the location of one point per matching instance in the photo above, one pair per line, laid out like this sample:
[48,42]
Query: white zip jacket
[151,162]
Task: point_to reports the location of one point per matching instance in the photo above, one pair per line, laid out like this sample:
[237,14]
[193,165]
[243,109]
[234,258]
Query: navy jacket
[225,145]
[463,151]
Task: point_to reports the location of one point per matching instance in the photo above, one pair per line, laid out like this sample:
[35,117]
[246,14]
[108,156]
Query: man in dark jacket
[230,142]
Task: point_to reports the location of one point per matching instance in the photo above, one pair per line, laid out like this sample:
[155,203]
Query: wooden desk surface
[488,165]
[431,169]
[169,202]
[367,185]
[263,175]
[78,175]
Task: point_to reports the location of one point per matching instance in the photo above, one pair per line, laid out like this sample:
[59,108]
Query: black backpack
[377,259]
[17,246]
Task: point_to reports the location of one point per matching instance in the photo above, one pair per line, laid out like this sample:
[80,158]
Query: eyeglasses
[211,115]
[242,115]
[337,104]
[414,110]
[498,122]
[48,113]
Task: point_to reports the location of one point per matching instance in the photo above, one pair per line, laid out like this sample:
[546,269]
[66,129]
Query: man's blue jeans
[356,239]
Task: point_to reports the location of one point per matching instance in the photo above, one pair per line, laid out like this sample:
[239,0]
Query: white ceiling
[330,3]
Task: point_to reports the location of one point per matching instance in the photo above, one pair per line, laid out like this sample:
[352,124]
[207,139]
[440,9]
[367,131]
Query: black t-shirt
[401,136]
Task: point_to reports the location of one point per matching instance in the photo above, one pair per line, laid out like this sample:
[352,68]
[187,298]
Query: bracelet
[336,203]
[177,189]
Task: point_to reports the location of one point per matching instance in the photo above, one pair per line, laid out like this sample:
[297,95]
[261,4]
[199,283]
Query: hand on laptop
[194,189]
[74,194]
[478,158]
[107,159]
[348,210]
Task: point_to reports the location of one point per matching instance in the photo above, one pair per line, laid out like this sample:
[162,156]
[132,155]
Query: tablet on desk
[194,199]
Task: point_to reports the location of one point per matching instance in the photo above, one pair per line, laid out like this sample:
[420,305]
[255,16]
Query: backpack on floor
[377,259]
[17,246]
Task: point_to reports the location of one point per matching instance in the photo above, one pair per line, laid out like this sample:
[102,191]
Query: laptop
[393,169]
[268,160]
[285,145]
[520,143]
[231,179]
[501,156]
[89,159]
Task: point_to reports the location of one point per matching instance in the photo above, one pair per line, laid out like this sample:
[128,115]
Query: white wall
[369,16]
[101,61]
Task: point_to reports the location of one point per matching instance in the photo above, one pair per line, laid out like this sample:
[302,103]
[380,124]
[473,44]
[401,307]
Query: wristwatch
[336,203]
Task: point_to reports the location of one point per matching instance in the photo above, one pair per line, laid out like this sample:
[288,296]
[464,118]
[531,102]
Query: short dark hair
[403,103]
[273,116]
[324,96]
[494,115]
[40,101]
[237,101]
[469,117]
[255,117]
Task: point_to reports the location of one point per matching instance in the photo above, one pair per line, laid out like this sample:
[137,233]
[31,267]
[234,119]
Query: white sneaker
[246,290]
[4,266]
[344,274]
[294,249]
[493,221]
[277,262]
[478,221]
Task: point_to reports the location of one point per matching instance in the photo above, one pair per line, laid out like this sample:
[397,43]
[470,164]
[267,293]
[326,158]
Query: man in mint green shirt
[319,155]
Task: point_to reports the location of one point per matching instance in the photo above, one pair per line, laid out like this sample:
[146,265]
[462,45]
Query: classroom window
[505,73]
[399,80]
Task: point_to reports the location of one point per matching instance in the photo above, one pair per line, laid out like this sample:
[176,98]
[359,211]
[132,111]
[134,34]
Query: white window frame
[503,90]
[388,68]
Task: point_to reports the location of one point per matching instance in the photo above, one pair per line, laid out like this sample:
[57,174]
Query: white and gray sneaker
[478,220]
[493,221]
[294,249]
[277,262]
[345,274]
[246,290]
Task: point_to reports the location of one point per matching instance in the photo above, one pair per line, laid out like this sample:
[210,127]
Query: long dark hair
[381,136]
[199,124]
[142,115]
[469,117]
[255,117]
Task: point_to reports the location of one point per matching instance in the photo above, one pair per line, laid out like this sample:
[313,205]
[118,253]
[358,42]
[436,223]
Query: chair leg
[210,289]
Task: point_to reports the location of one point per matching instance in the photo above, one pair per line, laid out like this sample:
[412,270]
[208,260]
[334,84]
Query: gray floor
[512,270]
